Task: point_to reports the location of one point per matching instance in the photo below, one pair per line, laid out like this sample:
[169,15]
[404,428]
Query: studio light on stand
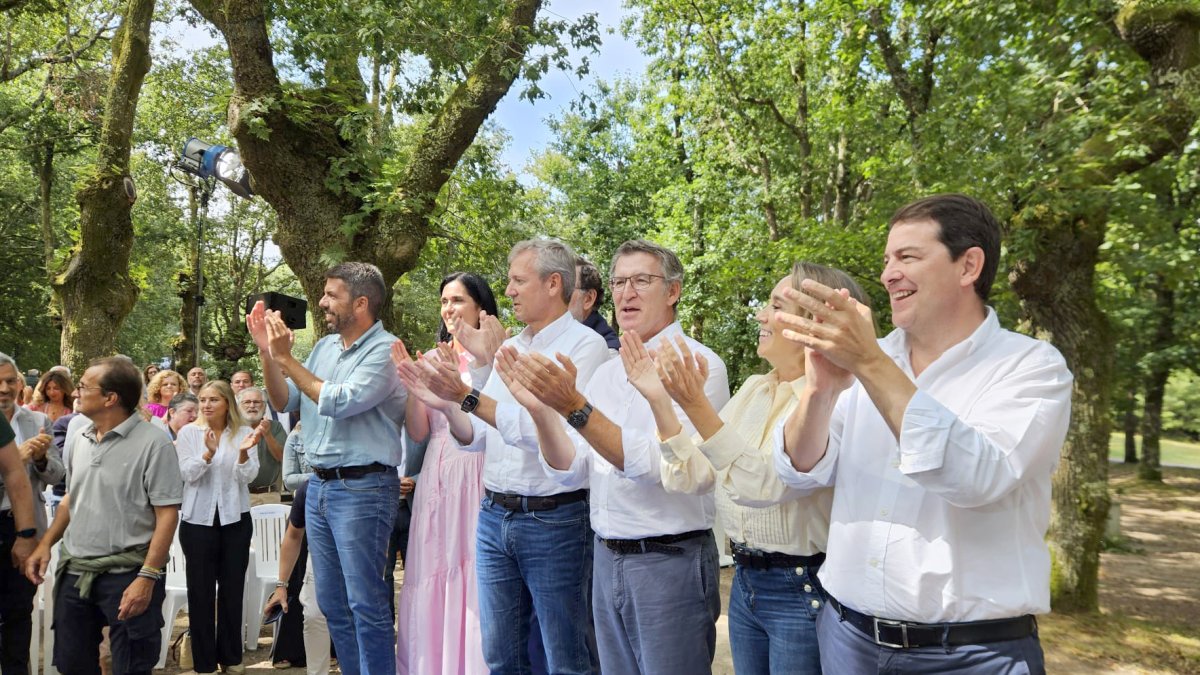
[202,166]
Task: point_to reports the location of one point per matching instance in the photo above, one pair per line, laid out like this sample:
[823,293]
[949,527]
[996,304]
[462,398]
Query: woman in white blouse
[778,535]
[217,463]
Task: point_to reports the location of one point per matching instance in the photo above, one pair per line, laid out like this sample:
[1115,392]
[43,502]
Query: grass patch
[1177,453]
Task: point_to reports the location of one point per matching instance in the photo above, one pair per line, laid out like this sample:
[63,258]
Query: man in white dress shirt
[940,440]
[533,539]
[655,573]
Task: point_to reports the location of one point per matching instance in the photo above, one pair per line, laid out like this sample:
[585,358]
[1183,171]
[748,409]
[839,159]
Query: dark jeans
[217,556]
[77,624]
[398,545]
[16,605]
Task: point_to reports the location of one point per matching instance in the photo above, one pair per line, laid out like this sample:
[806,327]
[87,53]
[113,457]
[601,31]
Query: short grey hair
[551,256]
[363,280]
[6,360]
[242,394]
[671,267]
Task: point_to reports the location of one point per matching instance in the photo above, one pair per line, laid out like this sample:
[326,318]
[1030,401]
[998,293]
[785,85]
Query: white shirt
[517,470]
[219,486]
[633,504]
[756,508]
[949,523]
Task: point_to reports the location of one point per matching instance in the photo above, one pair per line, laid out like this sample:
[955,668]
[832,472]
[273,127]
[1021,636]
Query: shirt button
[799,571]
[874,562]
[883,512]
[816,604]
[807,588]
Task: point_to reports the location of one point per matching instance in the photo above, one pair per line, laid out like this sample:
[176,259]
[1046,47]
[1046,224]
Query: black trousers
[289,639]
[217,556]
[398,544]
[16,605]
[77,624]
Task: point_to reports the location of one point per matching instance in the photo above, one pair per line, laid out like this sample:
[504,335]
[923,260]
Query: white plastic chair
[270,523]
[176,599]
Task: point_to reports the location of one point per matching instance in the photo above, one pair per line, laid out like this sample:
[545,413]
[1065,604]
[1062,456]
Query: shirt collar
[123,429]
[549,334]
[895,344]
[362,339]
[673,329]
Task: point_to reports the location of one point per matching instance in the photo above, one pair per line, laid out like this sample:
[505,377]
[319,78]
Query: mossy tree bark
[95,289]
[1063,229]
[290,156]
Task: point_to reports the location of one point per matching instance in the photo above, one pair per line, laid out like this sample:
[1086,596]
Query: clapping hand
[838,334]
[414,374]
[253,437]
[512,373]
[639,366]
[552,383]
[683,374]
[34,449]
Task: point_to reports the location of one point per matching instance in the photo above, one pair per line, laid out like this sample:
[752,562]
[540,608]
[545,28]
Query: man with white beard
[266,486]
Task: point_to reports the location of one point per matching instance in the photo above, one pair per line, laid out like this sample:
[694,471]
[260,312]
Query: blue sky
[526,122]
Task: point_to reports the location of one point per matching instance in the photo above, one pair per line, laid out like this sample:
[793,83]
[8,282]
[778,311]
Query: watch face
[471,401]
[579,418]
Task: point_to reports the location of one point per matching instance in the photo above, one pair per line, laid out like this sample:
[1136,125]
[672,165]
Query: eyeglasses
[251,402]
[641,282]
[80,386]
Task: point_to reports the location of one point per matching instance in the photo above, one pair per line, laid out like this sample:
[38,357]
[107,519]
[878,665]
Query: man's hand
[552,384]
[509,366]
[481,342]
[415,378]
[407,485]
[34,449]
[279,337]
[639,367]
[256,325]
[278,597]
[22,549]
[683,375]
[36,564]
[839,328]
[135,599]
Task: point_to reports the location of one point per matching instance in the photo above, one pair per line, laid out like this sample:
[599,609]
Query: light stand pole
[205,188]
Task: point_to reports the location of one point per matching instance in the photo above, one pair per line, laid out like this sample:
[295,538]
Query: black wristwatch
[470,402]
[578,418]
[28,533]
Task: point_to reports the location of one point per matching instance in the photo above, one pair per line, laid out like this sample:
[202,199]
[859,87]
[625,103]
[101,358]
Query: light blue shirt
[357,418]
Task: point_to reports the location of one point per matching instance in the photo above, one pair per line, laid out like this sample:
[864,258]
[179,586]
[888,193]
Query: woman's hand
[211,442]
[683,375]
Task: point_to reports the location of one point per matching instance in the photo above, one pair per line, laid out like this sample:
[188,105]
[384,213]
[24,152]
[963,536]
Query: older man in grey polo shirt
[116,524]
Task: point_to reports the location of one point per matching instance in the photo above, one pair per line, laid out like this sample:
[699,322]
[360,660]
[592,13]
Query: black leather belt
[261,489]
[350,471]
[660,544]
[525,504]
[909,635]
[758,559]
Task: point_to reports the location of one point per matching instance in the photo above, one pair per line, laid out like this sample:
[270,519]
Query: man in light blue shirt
[351,404]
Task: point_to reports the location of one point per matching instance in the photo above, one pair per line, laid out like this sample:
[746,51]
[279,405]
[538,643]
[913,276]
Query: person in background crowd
[183,410]
[316,630]
[149,372]
[54,395]
[240,380]
[217,461]
[940,441]
[296,468]
[196,377]
[586,300]
[439,575]
[116,525]
[44,466]
[266,486]
[161,390]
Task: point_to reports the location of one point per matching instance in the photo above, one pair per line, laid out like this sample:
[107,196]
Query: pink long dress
[438,611]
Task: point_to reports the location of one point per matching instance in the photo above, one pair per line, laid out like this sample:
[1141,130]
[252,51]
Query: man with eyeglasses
[265,487]
[655,573]
[532,539]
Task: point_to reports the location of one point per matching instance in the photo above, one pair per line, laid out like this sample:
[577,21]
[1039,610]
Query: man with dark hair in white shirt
[940,440]
[656,577]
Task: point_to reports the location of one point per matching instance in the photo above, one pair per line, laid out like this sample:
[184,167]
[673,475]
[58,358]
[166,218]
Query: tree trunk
[188,289]
[96,291]
[290,162]
[1156,381]
[1131,427]
[45,174]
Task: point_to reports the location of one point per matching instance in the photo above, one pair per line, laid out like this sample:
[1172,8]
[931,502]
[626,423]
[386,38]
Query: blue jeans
[348,523]
[541,559]
[773,620]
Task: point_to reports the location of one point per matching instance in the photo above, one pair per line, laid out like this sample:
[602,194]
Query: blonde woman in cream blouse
[778,535]
[217,464]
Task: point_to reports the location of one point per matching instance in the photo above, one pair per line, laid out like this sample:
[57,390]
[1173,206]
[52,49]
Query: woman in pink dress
[438,612]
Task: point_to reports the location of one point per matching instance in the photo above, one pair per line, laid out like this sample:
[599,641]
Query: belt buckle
[876,622]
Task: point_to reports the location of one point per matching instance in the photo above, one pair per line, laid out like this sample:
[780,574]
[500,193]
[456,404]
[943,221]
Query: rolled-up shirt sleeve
[516,426]
[574,477]
[684,469]
[1017,430]
[367,384]
[824,473]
